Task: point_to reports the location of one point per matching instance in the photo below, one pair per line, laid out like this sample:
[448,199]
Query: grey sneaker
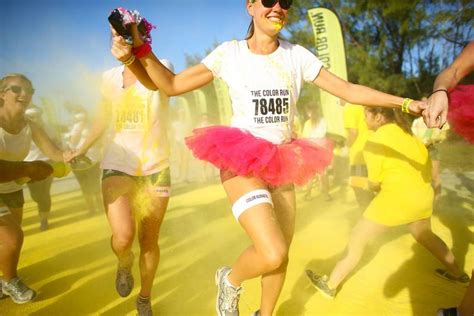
[320,283]
[143,306]
[18,291]
[124,278]
[444,274]
[227,301]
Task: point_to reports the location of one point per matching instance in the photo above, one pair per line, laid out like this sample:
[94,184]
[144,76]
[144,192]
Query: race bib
[132,112]
[270,106]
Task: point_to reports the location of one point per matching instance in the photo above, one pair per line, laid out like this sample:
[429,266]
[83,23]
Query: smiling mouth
[276,22]
[275,19]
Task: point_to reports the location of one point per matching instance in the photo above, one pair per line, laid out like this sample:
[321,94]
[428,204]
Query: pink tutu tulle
[240,152]
[461,111]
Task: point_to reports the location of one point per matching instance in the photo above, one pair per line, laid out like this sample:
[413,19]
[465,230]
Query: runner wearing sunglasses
[259,161]
[16,134]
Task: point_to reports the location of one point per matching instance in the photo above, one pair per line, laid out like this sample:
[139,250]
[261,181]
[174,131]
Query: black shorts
[162,178]
[13,199]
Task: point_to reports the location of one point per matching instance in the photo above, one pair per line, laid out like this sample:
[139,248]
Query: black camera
[116,20]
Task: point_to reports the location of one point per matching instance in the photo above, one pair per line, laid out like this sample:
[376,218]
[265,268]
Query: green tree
[392,45]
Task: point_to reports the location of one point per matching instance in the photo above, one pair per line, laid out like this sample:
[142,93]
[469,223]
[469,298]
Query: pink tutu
[240,152]
[461,111]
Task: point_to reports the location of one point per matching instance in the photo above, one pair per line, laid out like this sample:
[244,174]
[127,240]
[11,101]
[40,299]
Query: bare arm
[171,84]
[150,68]
[35,170]
[359,94]
[448,79]
[120,48]
[44,143]
[96,131]
[461,66]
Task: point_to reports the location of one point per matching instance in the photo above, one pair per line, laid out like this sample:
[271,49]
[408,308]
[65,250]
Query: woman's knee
[123,240]
[420,232]
[148,241]
[275,257]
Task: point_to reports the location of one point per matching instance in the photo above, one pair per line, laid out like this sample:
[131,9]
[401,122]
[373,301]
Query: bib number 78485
[272,105]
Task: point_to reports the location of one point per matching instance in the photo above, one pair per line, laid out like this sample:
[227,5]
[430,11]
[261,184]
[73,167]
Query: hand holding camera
[122,21]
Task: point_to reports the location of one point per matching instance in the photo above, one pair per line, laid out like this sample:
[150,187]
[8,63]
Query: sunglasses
[18,90]
[284,4]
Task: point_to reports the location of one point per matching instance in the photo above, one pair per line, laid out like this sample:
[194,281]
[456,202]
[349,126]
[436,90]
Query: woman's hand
[417,107]
[120,49]
[137,38]
[71,155]
[436,110]
[68,155]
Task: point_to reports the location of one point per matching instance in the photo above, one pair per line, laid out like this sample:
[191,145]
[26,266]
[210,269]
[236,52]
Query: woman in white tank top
[135,174]
[16,134]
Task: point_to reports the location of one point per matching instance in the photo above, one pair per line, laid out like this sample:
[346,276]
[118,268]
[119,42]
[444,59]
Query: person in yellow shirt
[399,169]
[357,133]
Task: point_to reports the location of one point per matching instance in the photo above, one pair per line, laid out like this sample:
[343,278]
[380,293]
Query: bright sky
[62,45]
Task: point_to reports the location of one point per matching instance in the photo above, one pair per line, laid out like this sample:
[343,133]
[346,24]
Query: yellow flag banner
[223,102]
[329,45]
[199,100]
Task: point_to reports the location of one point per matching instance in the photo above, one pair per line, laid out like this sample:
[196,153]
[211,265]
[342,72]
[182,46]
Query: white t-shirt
[264,89]
[14,147]
[138,144]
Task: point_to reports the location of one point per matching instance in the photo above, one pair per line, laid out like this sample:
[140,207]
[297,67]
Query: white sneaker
[227,301]
[18,291]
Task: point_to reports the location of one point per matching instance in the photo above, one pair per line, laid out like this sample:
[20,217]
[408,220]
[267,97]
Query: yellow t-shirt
[400,163]
[354,119]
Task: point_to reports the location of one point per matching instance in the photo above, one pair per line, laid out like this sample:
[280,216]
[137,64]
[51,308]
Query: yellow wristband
[406,104]
[129,60]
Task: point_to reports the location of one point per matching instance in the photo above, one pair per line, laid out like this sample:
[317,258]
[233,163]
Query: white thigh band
[250,199]
[4,210]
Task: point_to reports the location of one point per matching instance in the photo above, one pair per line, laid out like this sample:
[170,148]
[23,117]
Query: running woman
[16,134]
[399,169]
[135,172]
[259,161]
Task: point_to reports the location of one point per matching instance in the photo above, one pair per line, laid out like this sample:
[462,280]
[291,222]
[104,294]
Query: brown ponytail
[394,116]
[250,31]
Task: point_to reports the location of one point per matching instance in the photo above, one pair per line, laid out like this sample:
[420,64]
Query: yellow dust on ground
[73,269]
